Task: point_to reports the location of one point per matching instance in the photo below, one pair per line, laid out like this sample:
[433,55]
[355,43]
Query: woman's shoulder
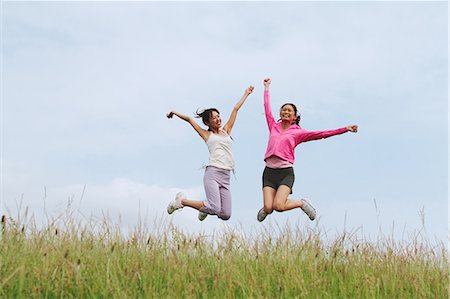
[222,132]
[209,133]
[296,128]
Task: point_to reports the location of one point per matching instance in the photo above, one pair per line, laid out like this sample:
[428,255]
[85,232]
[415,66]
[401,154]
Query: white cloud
[120,201]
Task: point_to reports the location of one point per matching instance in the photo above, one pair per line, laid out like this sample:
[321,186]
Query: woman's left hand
[249,90]
[353,128]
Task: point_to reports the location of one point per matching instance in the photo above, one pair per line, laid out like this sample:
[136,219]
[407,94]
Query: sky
[86,86]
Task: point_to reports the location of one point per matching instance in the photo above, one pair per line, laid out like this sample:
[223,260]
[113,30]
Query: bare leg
[282,202]
[269,197]
[196,204]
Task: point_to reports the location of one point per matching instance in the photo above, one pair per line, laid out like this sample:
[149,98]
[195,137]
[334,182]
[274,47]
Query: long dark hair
[297,119]
[205,115]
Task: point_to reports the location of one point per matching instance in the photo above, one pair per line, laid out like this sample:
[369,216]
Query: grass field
[74,260]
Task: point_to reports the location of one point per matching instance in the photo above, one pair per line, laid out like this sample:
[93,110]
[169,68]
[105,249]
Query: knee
[214,209]
[224,216]
[268,208]
[278,207]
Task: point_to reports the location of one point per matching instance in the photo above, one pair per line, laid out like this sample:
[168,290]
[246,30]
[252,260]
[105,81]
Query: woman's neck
[215,131]
[285,125]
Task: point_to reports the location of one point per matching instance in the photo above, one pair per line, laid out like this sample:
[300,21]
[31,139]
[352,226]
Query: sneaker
[176,203]
[261,215]
[308,209]
[201,215]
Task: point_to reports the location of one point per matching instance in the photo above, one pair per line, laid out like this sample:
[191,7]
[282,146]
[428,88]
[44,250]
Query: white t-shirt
[220,152]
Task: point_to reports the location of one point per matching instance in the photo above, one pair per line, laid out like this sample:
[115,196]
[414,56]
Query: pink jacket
[282,144]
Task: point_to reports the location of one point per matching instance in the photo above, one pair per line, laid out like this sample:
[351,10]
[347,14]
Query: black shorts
[275,177]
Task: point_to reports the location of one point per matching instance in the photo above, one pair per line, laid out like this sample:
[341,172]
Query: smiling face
[288,113]
[211,118]
[215,121]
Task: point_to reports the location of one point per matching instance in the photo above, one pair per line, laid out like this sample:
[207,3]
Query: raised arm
[230,123]
[308,135]
[267,109]
[202,132]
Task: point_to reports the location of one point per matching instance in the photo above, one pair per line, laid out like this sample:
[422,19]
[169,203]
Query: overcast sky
[86,86]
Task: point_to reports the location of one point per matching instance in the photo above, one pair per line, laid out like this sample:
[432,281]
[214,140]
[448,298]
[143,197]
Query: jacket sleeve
[309,135]
[267,110]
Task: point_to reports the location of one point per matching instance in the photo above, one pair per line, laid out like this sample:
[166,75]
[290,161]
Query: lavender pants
[218,196]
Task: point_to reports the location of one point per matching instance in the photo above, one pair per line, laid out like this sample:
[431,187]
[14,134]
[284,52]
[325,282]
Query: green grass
[74,260]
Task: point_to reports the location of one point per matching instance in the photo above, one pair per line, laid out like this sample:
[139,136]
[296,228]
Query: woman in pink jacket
[278,176]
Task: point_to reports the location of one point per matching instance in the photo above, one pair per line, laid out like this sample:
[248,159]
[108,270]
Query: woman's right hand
[267,82]
[170,114]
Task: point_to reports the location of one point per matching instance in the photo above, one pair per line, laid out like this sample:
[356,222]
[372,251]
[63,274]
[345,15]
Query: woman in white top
[216,180]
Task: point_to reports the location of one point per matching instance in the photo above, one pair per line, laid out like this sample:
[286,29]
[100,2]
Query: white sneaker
[308,209]
[201,215]
[176,203]
[261,215]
